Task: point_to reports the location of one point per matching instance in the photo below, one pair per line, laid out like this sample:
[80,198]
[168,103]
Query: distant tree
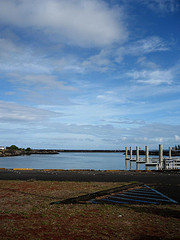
[13,147]
[28,149]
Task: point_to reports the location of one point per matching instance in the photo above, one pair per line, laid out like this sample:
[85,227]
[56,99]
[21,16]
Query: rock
[19,152]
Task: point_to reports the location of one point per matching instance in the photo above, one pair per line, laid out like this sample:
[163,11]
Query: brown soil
[166,182]
[26,213]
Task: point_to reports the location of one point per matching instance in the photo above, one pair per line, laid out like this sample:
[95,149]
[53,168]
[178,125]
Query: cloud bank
[83,23]
[89,73]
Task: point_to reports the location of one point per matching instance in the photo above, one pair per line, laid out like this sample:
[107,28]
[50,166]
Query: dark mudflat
[167,182]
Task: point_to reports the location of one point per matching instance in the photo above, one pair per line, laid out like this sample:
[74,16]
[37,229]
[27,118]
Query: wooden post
[160,156]
[147,156]
[137,158]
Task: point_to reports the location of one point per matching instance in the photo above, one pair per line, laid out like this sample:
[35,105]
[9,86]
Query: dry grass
[26,213]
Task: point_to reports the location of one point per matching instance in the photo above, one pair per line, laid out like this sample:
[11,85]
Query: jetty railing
[160,162]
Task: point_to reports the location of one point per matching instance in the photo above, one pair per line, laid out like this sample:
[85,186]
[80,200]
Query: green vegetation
[28,149]
[13,147]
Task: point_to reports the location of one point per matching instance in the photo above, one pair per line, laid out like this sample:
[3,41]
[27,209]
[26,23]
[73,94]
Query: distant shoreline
[72,150]
[141,152]
[20,152]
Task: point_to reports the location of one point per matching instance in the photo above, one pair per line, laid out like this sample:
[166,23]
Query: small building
[2,148]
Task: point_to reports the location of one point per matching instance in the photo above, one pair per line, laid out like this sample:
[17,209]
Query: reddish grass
[26,213]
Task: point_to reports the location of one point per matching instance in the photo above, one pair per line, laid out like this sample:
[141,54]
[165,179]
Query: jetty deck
[160,163]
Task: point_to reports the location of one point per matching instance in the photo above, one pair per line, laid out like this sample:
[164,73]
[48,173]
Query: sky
[89,74]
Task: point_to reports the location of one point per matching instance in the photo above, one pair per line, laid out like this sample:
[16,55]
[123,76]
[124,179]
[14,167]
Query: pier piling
[130,158]
[160,162]
[137,158]
[169,152]
[126,152]
[126,158]
[147,156]
[160,156]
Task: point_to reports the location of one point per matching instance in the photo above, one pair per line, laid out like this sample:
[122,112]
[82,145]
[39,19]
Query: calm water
[96,161]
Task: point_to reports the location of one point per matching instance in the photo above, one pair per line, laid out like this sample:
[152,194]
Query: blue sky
[89,74]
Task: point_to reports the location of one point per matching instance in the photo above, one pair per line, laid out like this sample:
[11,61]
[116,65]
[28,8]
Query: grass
[26,213]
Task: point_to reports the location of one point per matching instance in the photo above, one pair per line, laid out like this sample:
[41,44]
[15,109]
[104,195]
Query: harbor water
[69,160]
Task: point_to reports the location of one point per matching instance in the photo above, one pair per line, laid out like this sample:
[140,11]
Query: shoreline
[21,152]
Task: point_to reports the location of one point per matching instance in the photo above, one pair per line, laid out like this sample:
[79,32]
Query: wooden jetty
[160,162]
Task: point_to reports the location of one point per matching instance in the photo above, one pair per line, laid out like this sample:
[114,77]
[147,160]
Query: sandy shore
[166,182]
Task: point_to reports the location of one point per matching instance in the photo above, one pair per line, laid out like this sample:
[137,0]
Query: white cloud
[127,121]
[22,59]
[13,112]
[100,61]
[41,81]
[144,62]
[158,140]
[14,57]
[142,47]
[52,125]
[7,46]
[107,58]
[41,66]
[80,22]
[155,77]
[177,138]
[139,92]
[39,89]
[111,97]
[147,45]
[166,6]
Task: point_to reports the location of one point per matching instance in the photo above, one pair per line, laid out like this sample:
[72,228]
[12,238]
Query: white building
[2,148]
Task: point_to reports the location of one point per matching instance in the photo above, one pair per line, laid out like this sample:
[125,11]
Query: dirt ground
[167,182]
[26,213]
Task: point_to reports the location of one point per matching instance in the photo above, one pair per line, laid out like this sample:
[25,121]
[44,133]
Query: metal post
[147,156]
[160,156]
[137,158]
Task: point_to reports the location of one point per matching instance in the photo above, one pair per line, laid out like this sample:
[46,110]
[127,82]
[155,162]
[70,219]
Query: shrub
[28,149]
[13,147]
